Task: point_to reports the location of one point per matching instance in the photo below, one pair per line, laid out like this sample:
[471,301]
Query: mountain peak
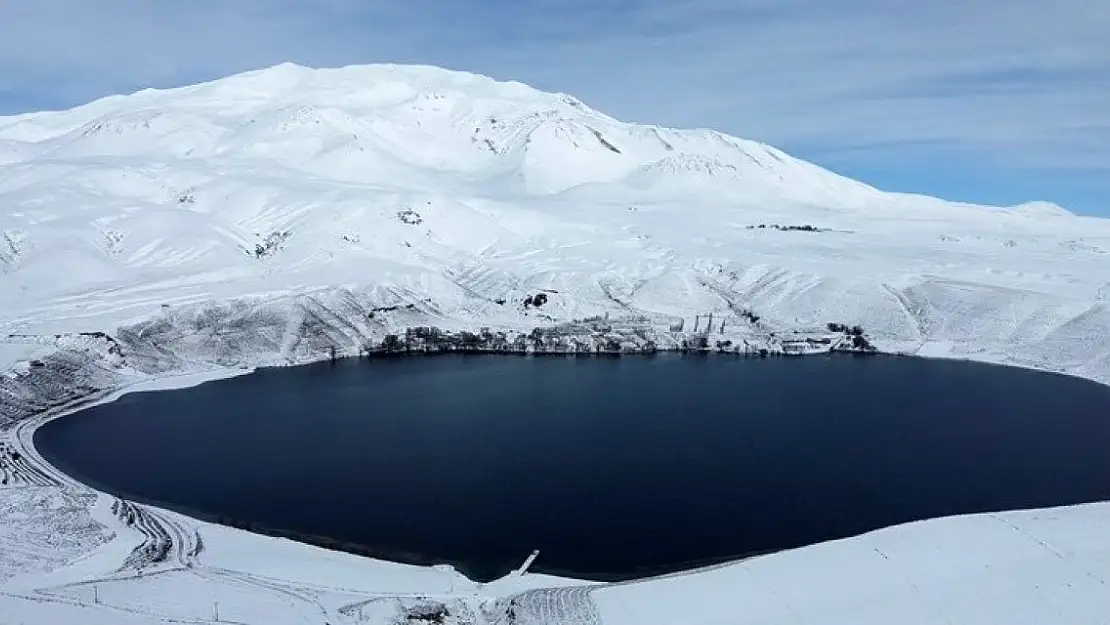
[464,194]
[413,123]
[367,76]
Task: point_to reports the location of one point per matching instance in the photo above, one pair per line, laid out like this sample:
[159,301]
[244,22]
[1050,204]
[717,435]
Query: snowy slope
[273,216]
[463,190]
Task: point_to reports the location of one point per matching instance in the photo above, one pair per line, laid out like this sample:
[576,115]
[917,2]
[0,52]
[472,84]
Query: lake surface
[612,467]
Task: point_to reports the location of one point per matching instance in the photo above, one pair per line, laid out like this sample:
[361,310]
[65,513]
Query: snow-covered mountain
[464,191]
[166,237]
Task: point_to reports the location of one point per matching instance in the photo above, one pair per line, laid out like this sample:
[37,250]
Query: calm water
[611,467]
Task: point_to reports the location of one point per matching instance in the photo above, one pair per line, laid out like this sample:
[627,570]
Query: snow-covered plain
[167,237]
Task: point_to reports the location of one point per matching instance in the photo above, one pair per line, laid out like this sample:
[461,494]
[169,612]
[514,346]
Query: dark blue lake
[613,468]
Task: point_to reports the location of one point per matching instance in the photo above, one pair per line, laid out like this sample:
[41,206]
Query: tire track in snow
[571,605]
[904,303]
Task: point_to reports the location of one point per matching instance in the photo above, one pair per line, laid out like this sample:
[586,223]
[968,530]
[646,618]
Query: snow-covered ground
[272,217]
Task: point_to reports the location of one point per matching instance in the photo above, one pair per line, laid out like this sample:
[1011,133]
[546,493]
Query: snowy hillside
[462,191]
[278,215]
[459,191]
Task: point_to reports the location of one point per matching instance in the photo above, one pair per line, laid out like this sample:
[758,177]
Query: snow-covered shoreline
[704,595]
[274,218]
[169,542]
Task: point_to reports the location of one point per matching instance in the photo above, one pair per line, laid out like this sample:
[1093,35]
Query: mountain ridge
[473,194]
[389,86]
[373,98]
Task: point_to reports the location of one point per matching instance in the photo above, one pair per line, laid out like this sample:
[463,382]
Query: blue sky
[995,101]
